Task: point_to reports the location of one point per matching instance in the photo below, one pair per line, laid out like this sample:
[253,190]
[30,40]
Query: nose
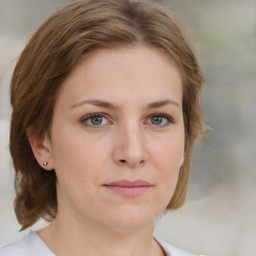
[130,149]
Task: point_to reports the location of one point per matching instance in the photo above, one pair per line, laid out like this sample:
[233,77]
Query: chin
[131,219]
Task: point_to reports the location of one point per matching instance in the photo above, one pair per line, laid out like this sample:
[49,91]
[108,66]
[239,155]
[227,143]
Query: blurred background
[219,217]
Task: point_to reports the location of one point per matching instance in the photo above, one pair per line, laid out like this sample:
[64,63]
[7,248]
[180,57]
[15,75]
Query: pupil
[97,120]
[156,120]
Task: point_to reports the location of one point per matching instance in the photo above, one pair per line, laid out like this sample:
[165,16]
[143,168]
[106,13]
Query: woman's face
[117,138]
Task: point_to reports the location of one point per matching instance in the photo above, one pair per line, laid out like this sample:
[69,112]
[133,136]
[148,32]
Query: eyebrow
[95,102]
[162,103]
[108,105]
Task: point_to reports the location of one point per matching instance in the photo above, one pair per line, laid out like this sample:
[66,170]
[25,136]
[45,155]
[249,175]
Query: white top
[31,245]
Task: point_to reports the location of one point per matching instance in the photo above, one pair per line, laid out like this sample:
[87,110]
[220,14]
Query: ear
[182,160]
[41,148]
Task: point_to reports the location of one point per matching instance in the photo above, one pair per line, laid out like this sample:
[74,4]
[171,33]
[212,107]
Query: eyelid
[169,118]
[88,116]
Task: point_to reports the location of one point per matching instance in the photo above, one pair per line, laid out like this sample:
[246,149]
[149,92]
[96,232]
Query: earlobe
[41,148]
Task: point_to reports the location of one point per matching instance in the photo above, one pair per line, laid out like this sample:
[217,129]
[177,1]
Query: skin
[130,139]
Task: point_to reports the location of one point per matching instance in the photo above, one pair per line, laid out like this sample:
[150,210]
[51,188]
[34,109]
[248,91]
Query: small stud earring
[45,163]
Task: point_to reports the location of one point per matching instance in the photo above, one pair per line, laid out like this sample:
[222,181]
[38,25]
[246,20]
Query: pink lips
[129,188]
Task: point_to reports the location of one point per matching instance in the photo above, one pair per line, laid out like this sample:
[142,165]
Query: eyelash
[167,117]
[102,115]
[88,117]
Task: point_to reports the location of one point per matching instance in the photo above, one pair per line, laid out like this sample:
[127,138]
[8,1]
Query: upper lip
[128,183]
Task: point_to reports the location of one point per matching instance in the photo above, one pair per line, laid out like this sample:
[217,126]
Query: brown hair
[50,56]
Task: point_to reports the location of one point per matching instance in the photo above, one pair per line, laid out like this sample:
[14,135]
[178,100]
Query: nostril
[122,160]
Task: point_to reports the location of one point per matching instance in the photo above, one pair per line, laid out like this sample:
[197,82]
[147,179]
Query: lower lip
[129,191]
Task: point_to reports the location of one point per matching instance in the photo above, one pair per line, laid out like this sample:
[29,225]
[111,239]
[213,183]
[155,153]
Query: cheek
[77,157]
[167,163]
[77,167]
[167,159]
[169,153]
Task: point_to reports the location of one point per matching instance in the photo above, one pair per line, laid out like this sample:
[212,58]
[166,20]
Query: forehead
[124,72]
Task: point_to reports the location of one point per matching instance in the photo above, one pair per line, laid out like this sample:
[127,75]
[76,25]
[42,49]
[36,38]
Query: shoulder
[172,251]
[29,245]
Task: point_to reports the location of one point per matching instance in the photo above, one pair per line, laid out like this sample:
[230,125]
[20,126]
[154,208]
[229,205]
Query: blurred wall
[219,216]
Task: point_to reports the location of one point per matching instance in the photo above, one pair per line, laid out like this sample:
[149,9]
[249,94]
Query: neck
[77,238]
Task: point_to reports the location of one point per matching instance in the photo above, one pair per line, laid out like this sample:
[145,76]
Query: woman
[106,111]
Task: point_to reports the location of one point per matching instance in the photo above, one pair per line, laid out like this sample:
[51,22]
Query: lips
[129,188]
